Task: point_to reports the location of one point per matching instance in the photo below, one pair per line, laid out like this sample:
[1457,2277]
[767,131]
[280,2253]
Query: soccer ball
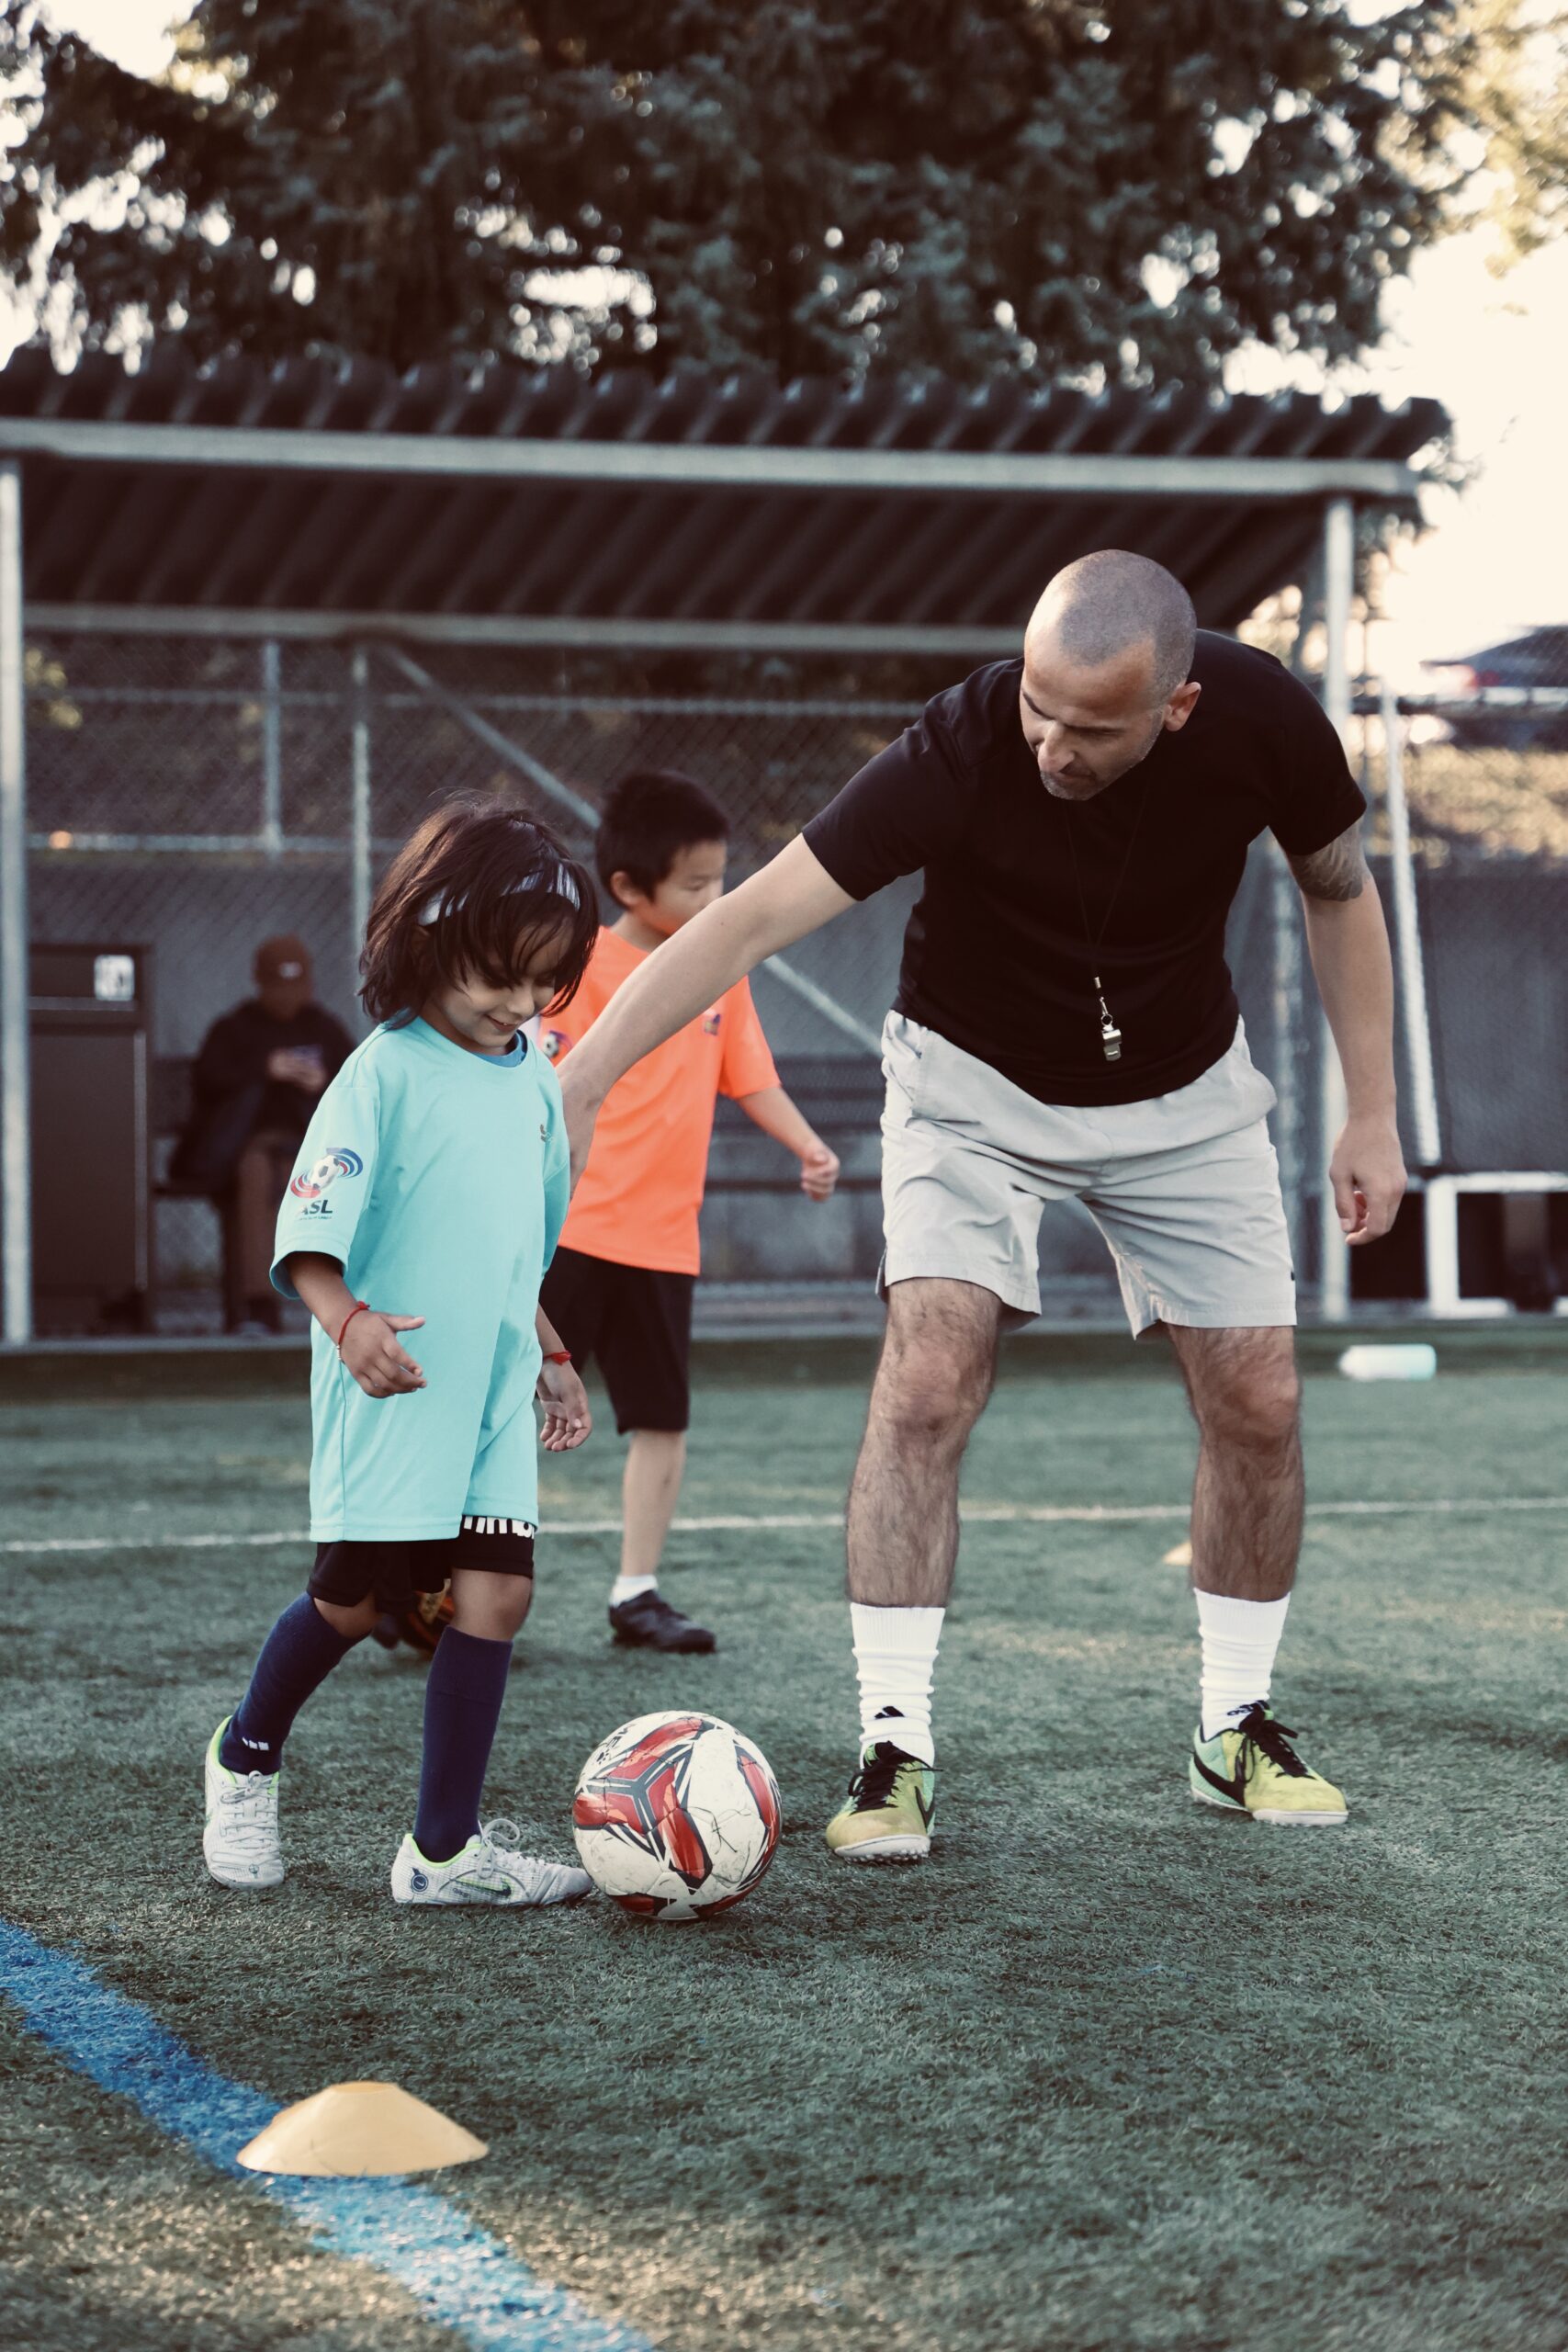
[676,1816]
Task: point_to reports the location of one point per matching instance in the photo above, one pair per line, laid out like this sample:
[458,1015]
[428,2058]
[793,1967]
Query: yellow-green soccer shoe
[888,1817]
[1250,1767]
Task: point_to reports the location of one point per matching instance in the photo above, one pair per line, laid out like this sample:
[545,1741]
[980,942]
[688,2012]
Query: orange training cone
[351,2131]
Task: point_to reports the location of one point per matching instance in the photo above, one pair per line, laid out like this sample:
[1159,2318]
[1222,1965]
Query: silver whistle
[1109,1036]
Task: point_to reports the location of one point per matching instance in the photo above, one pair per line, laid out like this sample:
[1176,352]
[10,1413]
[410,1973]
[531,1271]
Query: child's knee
[512,1605]
[491,1608]
[665,1447]
[354,1623]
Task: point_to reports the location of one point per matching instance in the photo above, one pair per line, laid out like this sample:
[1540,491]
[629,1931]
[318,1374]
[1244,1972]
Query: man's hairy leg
[938,1362]
[1247,1529]
[1248,1494]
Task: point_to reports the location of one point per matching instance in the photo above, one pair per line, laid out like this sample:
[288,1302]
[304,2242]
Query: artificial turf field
[1111,2071]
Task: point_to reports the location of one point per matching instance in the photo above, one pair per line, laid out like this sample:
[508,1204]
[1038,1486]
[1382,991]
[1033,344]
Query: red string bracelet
[360,1306]
[563,1355]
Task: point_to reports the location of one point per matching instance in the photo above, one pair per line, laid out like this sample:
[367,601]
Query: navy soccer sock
[295,1658]
[462,1707]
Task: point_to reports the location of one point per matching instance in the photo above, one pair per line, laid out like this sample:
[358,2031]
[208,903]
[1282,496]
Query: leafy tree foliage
[1115,189]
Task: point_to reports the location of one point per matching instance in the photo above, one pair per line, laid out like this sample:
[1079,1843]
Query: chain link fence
[196,795]
[1486,781]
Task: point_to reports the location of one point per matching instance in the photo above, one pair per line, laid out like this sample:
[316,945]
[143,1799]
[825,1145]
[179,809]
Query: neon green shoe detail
[1250,1767]
[888,1817]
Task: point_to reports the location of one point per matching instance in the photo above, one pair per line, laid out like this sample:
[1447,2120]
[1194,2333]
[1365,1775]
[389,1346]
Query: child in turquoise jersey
[429,1191]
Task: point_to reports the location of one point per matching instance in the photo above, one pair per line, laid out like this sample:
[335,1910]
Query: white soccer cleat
[489,1869]
[240,1840]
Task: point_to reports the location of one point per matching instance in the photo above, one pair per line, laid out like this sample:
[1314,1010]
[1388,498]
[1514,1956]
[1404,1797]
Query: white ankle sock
[628,1589]
[1239,1639]
[895,1654]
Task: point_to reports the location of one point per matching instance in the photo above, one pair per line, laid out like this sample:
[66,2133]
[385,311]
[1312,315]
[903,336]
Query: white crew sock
[628,1589]
[895,1654]
[1239,1639]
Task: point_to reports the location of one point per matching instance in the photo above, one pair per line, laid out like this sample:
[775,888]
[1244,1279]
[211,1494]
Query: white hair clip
[559,884]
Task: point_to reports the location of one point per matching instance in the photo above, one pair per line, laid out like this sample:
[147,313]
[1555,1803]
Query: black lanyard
[1110,1035]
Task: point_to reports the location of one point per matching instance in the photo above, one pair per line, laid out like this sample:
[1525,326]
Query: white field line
[975,1514]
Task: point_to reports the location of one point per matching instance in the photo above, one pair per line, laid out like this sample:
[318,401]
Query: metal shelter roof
[525,507]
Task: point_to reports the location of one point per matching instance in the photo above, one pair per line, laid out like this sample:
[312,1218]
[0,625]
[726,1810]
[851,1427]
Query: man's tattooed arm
[1338,871]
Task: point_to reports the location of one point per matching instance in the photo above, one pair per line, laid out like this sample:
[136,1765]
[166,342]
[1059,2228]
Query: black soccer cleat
[647,1622]
[419,1623]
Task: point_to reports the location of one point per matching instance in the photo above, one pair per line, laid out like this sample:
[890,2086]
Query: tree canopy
[1117,190]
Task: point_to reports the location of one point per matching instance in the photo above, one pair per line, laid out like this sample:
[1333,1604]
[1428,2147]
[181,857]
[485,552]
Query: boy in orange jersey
[620,1286]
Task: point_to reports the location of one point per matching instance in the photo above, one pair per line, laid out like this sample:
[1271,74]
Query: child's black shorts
[637,1323]
[345,1571]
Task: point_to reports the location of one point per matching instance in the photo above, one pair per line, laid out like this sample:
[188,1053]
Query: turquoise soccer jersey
[438,1180]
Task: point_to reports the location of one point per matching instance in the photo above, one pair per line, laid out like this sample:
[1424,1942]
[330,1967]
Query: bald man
[1066,1026]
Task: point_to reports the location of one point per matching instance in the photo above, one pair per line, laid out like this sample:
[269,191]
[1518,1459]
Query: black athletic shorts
[345,1572]
[637,1323]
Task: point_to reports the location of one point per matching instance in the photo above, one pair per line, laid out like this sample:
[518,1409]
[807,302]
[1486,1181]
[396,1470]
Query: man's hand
[567,1417]
[818,1170]
[1367,1172]
[1347,942]
[371,1352]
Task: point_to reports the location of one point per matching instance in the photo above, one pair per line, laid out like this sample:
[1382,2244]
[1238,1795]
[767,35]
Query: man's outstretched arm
[791,896]
[1349,945]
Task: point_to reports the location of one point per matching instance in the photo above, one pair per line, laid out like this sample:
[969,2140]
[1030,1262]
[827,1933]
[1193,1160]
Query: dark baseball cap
[284,961]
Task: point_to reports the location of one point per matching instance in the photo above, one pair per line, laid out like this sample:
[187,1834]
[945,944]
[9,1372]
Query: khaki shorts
[1184,1187]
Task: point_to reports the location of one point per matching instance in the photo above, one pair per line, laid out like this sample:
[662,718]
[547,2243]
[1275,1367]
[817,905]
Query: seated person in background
[253,1087]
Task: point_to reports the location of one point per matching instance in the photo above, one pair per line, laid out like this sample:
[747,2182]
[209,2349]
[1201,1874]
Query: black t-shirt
[234,1054]
[995,957]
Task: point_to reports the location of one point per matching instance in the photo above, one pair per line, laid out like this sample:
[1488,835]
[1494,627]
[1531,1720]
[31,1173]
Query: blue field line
[458,2274]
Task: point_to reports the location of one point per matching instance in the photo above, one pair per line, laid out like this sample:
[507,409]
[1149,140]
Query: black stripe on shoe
[1234,1790]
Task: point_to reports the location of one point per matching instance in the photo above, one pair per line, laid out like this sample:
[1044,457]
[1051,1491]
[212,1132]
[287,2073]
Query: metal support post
[581,812]
[1285,958]
[15,1124]
[1338,585]
[1407,943]
[272,747]
[359,815]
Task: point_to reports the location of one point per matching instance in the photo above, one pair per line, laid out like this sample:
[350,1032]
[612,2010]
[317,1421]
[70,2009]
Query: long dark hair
[476,893]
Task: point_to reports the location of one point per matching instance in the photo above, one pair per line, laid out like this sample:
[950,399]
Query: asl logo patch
[554,1042]
[335,1162]
[711,1021]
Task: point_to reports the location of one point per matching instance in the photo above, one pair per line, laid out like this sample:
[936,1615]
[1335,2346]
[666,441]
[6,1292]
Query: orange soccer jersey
[640,1192]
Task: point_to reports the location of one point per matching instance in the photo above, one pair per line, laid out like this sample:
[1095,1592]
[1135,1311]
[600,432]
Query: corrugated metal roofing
[180,487]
